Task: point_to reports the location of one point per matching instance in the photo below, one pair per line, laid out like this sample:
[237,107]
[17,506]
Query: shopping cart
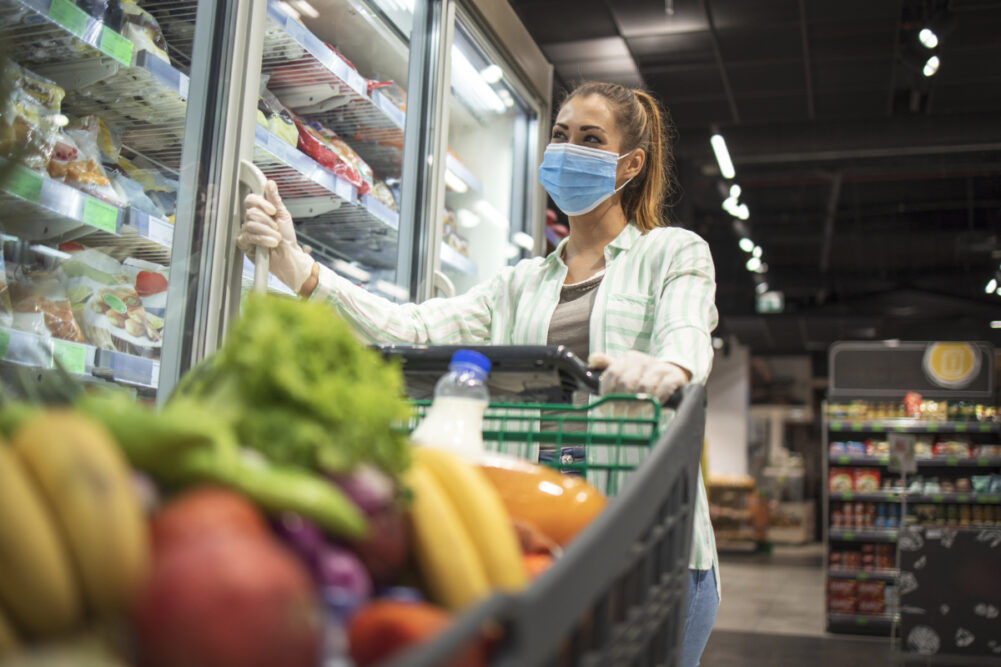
[617,595]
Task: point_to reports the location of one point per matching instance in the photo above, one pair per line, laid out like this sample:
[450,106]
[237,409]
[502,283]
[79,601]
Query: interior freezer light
[931,66]
[722,156]
[304,7]
[992,285]
[486,209]
[453,181]
[746,244]
[928,38]
[742,212]
[735,191]
[995,324]
[288,9]
[756,251]
[506,97]
[492,73]
[511,251]
[467,219]
[469,85]
[753,264]
[523,240]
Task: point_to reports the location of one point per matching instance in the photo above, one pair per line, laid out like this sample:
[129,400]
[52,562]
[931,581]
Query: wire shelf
[177,21]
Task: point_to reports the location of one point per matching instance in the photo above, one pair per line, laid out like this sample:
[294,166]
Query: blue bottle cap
[471,357]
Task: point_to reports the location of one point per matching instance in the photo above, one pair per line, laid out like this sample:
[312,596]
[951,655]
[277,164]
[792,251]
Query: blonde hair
[645,124]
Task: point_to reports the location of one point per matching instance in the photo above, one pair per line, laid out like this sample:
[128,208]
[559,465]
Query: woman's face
[589,121]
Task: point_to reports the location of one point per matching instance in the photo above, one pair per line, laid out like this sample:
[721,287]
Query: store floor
[772,614]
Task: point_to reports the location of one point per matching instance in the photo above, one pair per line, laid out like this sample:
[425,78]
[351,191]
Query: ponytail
[643,124]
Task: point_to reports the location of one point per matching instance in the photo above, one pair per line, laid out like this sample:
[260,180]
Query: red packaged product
[871,590]
[866,480]
[836,560]
[852,560]
[841,605]
[840,480]
[313,144]
[842,587]
[873,606]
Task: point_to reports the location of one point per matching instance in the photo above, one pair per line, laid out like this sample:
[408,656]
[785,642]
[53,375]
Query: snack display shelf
[39,208]
[876,623]
[937,462]
[955,498]
[912,426]
[888,576]
[872,496]
[454,260]
[862,535]
[28,349]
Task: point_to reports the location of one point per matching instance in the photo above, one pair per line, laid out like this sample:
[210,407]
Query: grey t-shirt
[570,325]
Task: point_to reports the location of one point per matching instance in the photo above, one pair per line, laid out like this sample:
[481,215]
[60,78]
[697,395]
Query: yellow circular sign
[951,365]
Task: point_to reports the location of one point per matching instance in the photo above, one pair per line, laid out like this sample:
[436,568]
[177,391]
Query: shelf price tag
[25,184]
[952,461]
[848,535]
[69,16]
[862,576]
[847,495]
[857,426]
[960,427]
[116,46]
[844,459]
[4,343]
[983,462]
[102,215]
[985,428]
[835,426]
[932,427]
[991,499]
[937,497]
[861,620]
[962,498]
[71,356]
[892,537]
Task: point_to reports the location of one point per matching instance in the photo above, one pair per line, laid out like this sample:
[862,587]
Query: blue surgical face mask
[578,178]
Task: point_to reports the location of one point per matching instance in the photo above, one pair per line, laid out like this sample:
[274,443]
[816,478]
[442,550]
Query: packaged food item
[107,140]
[348,155]
[922,448]
[986,451]
[140,28]
[871,590]
[40,305]
[315,145]
[31,118]
[856,448]
[273,115]
[932,486]
[840,480]
[150,281]
[109,309]
[841,604]
[956,448]
[878,448]
[76,161]
[871,607]
[981,483]
[6,309]
[383,194]
[995,486]
[108,12]
[852,560]
[842,587]
[963,485]
[836,560]
[837,449]
[866,480]
[158,186]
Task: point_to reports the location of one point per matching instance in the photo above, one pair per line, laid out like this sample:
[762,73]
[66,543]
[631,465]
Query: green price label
[116,46]
[4,343]
[884,459]
[877,426]
[961,427]
[100,214]
[932,427]
[991,499]
[26,184]
[862,576]
[952,461]
[857,426]
[962,498]
[985,428]
[893,537]
[937,497]
[848,535]
[983,462]
[835,426]
[861,620]
[900,428]
[72,357]
[847,495]
[844,458]
[69,16]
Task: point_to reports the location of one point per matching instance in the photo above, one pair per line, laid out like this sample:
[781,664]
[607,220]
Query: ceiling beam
[830,214]
[807,69]
[714,38]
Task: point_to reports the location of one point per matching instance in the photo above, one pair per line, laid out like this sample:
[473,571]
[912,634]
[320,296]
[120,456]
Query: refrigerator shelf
[454,260]
[28,349]
[38,208]
[45,31]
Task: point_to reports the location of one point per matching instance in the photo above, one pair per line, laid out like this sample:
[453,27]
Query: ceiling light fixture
[746,244]
[756,251]
[928,38]
[992,285]
[492,73]
[722,156]
[931,66]
[753,264]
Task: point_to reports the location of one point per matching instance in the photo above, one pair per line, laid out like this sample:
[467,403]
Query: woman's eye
[592,139]
[558,134]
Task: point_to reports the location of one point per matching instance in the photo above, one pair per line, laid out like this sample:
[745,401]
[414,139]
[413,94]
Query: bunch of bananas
[464,541]
[73,536]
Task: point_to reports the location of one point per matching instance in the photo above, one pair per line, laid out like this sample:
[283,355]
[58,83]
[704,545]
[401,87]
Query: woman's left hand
[638,373]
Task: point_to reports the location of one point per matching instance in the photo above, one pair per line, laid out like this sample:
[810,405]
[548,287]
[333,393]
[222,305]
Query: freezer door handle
[443,285]
[254,180]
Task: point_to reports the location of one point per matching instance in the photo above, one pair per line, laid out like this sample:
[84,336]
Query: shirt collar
[621,243]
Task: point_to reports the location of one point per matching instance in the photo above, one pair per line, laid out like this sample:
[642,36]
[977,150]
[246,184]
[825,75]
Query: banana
[483,514]
[37,587]
[445,554]
[87,483]
[9,643]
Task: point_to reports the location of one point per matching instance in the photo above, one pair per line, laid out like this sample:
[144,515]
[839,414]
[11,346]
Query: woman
[634,294]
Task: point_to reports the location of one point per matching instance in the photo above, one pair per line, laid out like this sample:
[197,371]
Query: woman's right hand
[268,224]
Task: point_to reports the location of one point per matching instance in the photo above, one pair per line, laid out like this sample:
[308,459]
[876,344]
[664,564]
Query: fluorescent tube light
[492,73]
[485,209]
[454,182]
[746,244]
[469,85]
[523,240]
[753,264]
[305,8]
[722,156]
[928,38]
[991,286]
[931,66]
[995,324]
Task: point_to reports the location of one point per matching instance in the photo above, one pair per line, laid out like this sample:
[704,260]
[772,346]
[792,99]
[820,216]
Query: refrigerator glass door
[491,198]
[90,215]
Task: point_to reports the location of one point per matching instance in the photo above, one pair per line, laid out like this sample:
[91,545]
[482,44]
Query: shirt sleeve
[464,319]
[686,310]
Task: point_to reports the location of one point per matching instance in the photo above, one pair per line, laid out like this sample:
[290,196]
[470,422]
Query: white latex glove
[267,223]
[638,373]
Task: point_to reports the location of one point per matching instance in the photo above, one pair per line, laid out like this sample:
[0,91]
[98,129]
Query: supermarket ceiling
[874,191]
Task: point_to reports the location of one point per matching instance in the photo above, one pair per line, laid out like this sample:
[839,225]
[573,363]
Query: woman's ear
[634,163]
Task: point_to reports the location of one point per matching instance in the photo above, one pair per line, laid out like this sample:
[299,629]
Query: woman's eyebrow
[585,128]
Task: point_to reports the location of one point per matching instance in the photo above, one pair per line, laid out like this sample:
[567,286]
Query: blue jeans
[703,601]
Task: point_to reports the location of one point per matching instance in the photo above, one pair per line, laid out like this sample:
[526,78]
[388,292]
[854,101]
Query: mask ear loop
[628,179]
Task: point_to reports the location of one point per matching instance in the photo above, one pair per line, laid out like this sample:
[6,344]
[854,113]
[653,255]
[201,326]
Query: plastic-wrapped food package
[76,160]
[150,282]
[346,153]
[273,115]
[40,304]
[107,306]
[140,28]
[30,119]
[132,192]
[317,146]
[6,309]
[160,188]
[383,194]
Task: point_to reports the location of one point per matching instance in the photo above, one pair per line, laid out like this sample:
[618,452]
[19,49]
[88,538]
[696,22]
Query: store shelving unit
[851,537]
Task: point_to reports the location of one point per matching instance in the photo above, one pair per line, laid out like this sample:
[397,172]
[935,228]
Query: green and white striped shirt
[657,297]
